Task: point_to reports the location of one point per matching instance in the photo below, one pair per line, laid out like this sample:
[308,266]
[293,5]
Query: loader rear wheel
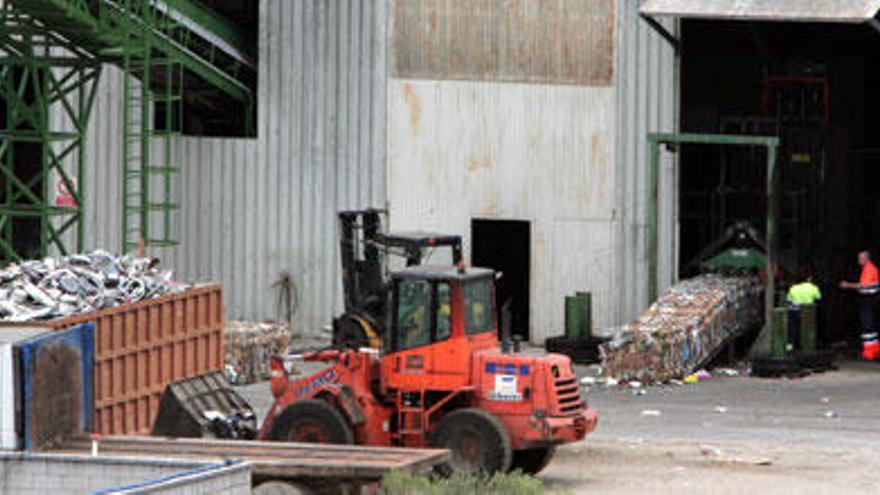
[312,421]
[532,461]
[477,440]
[281,488]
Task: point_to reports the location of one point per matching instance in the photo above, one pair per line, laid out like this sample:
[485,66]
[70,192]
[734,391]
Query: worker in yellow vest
[802,294]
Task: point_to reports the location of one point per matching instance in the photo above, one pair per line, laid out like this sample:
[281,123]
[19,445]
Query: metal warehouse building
[521,124]
[525,118]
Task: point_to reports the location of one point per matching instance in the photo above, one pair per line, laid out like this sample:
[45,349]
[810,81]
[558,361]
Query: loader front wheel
[532,461]
[477,440]
[312,421]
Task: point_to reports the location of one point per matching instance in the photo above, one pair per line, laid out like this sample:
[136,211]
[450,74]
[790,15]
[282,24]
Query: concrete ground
[818,434]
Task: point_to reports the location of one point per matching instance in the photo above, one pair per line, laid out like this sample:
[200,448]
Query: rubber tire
[496,454]
[532,461]
[281,488]
[336,428]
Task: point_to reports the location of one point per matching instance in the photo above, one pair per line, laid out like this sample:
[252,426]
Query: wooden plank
[281,459]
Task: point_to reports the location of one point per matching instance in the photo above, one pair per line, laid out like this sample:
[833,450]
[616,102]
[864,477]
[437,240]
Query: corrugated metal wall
[253,208]
[647,92]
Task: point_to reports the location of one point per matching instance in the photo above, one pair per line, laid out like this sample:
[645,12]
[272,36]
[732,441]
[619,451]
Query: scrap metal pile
[54,288]
[683,328]
[249,346]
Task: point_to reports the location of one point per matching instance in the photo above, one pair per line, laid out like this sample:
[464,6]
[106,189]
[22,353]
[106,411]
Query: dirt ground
[819,434]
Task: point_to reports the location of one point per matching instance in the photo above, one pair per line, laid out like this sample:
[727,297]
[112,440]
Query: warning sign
[505,389]
[64,193]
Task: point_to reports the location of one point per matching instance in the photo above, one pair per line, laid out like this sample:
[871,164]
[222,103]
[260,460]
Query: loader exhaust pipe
[506,342]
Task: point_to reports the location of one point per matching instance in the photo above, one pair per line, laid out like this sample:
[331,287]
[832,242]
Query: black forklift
[366,251]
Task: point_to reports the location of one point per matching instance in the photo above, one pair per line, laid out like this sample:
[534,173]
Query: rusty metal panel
[56,386]
[534,41]
[768,10]
[142,347]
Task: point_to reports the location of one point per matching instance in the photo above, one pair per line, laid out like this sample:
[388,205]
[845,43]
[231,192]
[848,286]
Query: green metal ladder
[153,90]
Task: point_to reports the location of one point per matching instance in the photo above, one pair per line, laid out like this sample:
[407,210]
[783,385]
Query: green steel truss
[52,54]
[205,44]
[38,159]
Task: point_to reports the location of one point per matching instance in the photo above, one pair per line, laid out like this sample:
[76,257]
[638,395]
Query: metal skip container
[140,348]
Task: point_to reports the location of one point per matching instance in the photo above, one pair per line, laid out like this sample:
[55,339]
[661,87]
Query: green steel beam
[655,140]
[201,67]
[214,23]
[720,139]
[96,26]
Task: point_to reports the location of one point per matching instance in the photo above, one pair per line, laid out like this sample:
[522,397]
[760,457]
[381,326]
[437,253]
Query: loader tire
[477,440]
[312,421]
[276,487]
[532,461]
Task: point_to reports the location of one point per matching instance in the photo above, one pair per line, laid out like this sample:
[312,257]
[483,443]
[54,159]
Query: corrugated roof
[768,10]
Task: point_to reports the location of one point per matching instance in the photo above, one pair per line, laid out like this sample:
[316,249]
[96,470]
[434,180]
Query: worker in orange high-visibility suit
[868,287]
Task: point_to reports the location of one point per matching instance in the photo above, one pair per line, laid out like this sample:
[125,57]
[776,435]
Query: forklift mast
[361,262]
[363,246]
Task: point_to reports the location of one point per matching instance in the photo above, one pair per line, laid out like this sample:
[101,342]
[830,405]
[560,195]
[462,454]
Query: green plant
[516,483]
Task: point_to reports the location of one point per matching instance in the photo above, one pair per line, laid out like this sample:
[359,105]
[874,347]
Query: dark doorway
[812,85]
[505,246]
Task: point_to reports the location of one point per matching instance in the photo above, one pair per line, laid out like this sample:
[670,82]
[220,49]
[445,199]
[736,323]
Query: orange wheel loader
[441,378]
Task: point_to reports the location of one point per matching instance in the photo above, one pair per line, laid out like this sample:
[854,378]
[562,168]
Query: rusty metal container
[56,386]
[142,347]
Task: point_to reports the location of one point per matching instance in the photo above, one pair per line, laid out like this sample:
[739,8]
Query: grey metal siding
[647,86]
[253,208]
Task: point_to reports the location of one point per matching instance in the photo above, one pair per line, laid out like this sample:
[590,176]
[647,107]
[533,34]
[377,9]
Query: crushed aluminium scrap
[58,287]
[683,328]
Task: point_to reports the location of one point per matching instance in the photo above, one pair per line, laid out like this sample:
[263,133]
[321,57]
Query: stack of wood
[685,327]
[249,345]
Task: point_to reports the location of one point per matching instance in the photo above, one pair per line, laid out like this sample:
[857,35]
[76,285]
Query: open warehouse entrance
[811,85]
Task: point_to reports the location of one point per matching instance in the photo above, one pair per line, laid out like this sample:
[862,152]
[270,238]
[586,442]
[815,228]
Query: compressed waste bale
[685,326]
[80,283]
[249,345]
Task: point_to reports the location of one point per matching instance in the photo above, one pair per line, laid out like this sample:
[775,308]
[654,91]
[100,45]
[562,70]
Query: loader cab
[438,316]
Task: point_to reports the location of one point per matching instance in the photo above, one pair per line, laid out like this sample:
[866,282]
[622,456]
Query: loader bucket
[204,406]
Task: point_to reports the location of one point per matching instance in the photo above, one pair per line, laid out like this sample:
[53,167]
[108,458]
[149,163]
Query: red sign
[64,194]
